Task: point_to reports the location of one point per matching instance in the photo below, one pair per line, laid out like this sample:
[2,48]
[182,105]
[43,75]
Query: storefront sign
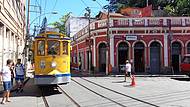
[131,37]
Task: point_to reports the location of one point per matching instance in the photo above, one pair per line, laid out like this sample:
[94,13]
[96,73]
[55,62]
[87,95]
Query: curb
[151,76]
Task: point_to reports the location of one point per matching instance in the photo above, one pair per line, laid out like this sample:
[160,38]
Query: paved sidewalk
[29,74]
[29,97]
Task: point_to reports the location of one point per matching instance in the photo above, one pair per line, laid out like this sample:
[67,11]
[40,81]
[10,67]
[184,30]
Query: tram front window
[41,48]
[53,47]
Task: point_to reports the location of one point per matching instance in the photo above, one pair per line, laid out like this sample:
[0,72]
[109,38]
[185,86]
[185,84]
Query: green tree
[61,23]
[172,7]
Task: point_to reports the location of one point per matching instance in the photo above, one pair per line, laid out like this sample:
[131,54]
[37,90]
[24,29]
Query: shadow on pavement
[121,81]
[128,85]
[118,81]
[32,90]
[181,79]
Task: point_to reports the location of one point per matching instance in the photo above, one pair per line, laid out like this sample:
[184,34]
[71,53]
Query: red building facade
[152,44]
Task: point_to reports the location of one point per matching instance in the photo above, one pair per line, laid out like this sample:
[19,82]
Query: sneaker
[3,102]
[8,100]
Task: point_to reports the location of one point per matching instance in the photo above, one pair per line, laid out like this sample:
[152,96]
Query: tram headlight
[42,64]
[53,64]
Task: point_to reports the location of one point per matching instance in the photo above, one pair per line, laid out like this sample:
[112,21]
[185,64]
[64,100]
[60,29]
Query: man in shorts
[19,71]
[5,74]
[128,70]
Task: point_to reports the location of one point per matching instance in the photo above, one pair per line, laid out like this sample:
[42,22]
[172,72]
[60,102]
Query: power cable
[84,3]
[54,5]
[53,9]
[37,2]
[81,12]
[98,3]
[45,6]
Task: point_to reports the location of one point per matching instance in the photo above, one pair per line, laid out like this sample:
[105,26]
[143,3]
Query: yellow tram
[51,58]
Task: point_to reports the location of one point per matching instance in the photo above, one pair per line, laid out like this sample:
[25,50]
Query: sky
[77,7]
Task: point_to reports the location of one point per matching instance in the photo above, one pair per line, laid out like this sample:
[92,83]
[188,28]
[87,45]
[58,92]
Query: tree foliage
[61,23]
[172,7]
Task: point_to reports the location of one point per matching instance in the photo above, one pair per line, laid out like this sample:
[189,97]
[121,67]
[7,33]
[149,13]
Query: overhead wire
[53,9]
[89,7]
[84,3]
[81,12]
[37,3]
[99,4]
[45,6]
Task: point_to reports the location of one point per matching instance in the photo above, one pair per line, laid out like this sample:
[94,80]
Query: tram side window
[41,48]
[186,60]
[65,47]
[53,47]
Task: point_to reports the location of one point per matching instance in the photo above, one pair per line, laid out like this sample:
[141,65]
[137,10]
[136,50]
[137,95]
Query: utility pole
[108,38]
[27,36]
[170,37]
[89,39]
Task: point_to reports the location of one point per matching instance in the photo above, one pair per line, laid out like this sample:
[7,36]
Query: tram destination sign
[131,37]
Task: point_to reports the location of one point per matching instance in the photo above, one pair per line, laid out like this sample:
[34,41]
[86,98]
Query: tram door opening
[176,56]
[102,57]
[122,55]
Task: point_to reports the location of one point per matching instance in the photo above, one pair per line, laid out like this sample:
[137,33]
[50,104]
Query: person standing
[128,70]
[6,79]
[19,71]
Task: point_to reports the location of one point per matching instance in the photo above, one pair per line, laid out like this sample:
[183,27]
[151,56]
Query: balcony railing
[137,22]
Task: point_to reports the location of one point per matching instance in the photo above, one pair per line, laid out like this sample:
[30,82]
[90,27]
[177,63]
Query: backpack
[22,68]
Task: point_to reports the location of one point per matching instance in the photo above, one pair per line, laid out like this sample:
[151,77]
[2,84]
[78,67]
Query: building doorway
[81,59]
[123,49]
[139,59]
[102,57]
[155,61]
[176,56]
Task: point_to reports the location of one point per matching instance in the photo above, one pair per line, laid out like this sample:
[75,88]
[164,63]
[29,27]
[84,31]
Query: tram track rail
[139,100]
[103,96]
[44,97]
[72,100]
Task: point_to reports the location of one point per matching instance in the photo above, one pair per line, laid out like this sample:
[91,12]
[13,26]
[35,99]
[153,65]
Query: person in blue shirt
[19,71]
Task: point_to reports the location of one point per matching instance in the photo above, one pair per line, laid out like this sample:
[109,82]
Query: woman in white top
[127,69]
[6,79]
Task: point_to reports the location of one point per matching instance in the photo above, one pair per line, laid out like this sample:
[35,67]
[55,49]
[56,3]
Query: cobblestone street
[108,91]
